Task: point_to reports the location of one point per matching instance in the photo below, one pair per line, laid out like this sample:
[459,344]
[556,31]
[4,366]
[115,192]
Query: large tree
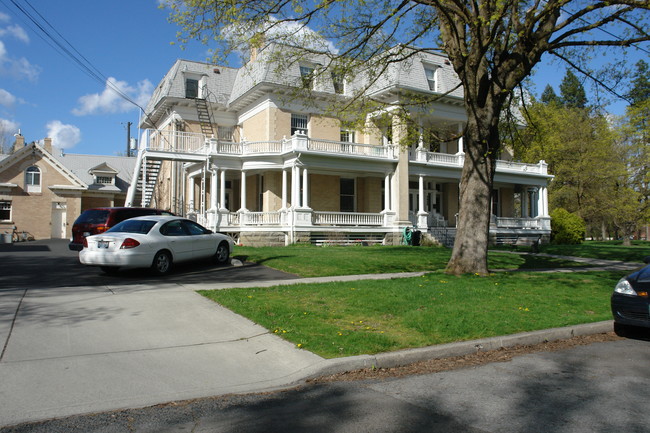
[492,45]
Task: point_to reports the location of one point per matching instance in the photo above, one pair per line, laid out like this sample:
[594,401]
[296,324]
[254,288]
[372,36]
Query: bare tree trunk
[470,248]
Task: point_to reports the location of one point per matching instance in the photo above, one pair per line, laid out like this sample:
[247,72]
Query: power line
[43,28]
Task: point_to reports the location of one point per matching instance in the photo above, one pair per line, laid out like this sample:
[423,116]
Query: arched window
[33,179]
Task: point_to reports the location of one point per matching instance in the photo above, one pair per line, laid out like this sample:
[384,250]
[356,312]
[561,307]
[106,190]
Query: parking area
[49,263]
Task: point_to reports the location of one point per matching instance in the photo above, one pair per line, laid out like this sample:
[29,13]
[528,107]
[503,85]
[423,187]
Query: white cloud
[62,135]
[4,18]
[8,126]
[17,68]
[16,31]
[6,98]
[109,101]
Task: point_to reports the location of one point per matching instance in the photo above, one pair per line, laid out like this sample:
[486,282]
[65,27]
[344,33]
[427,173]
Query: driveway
[76,341]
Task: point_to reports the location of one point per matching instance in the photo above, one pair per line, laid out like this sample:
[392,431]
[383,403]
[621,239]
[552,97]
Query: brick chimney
[47,144]
[19,143]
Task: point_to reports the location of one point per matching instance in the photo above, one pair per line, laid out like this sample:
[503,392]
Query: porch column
[284,188]
[461,148]
[243,192]
[295,187]
[543,201]
[305,188]
[421,194]
[387,202]
[222,190]
[214,175]
[192,193]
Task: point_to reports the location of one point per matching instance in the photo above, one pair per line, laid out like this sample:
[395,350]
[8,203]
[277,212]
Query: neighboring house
[42,191]
[239,151]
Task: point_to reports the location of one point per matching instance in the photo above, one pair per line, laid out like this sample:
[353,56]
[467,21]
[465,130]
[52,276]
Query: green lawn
[609,250]
[370,316]
[313,261]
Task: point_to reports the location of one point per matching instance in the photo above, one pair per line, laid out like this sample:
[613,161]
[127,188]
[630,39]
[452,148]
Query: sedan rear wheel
[162,263]
[221,256]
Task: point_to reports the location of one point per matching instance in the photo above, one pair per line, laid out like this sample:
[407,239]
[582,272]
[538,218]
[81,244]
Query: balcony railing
[458,160]
[190,142]
[518,223]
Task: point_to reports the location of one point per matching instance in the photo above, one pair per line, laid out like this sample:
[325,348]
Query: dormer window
[431,72]
[307,76]
[105,180]
[339,83]
[103,174]
[191,88]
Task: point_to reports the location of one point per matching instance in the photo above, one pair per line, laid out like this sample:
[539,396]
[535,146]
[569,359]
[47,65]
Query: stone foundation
[262,239]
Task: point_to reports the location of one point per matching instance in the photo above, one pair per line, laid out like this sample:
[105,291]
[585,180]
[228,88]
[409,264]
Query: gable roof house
[43,191]
[244,153]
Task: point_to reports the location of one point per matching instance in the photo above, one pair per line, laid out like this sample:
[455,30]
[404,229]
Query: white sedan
[155,242]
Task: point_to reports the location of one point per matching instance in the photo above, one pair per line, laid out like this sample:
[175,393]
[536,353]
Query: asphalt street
[597,388]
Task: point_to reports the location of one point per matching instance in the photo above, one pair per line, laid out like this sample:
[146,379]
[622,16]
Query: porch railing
[517,223]
[262,218]
[347,219]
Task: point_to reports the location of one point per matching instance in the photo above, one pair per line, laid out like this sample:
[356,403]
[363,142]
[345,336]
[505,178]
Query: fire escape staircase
[204,117]
[144,183]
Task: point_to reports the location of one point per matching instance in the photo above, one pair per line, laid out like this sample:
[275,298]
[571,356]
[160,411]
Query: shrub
[566,228]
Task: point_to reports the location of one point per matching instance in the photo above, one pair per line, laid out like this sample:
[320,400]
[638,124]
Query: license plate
[102,244]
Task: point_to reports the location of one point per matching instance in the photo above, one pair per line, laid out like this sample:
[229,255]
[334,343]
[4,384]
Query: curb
[410,356]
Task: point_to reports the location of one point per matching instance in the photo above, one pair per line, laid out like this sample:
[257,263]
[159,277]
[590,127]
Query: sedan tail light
[129,243]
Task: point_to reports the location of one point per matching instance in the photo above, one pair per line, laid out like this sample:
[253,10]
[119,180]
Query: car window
[93,216]
[173,228]
[195,229]
[132,226]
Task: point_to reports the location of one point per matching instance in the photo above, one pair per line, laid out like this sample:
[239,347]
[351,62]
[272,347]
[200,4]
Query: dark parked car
[630,301]
[98,220]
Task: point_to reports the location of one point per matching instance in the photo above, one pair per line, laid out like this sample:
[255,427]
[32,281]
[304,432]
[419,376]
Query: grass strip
[373,316]
[314,261]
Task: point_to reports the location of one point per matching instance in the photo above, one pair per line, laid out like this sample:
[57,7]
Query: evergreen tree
[549,97]
[640,91]
[572,93]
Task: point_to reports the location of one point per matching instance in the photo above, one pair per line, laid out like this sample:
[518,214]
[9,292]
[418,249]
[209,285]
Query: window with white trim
[225,133]
[33,179]
[191,88]
[432,76]
[347,195]
[5,210]
[307,76]
[299,122]
[339,83]
[105,180]
[347,135]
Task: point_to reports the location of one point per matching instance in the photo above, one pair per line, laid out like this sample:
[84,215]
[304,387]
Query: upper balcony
[196,146]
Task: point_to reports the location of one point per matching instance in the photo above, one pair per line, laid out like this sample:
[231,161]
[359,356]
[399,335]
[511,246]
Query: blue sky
[44,94]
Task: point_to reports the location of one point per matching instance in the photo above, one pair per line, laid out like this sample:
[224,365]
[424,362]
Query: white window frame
[6,205]
[32,175]
[104,180]
[307,76]
[299,122]
[431,73]
[225,133]
[339,78]
[347,135]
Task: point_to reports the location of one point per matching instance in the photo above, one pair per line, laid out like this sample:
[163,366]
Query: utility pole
[128,138]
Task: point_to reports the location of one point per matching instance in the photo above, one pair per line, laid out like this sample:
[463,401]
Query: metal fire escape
[147,167]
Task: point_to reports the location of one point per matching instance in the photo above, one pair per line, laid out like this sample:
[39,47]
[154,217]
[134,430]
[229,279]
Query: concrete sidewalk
[89,349]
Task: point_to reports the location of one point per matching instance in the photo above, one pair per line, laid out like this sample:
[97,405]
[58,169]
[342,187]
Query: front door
[58,220]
